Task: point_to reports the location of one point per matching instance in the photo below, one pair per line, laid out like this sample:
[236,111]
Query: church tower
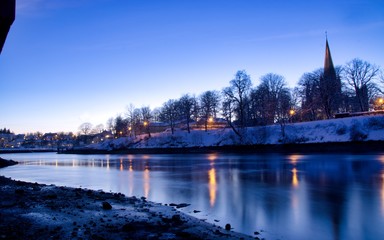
[330,85]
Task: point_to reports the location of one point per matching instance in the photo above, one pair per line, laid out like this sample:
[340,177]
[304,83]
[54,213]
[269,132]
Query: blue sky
[66,62]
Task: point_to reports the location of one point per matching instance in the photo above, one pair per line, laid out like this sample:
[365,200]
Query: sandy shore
[38,211]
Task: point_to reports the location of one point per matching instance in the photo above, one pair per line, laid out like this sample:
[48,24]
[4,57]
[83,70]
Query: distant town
[48,141]
[85,136]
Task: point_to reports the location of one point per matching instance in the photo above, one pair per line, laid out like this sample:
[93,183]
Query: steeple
[330,85]
[329,69]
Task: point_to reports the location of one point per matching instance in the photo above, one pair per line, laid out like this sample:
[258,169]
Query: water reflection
[121,165]
[295,180]
[382,192]
[294,158]
[108,162]
[130,165]
[130,178]
[212,186]
[288,196]
[146,180]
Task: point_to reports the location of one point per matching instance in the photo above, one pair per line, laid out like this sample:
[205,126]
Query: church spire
[330,84]
[329,69]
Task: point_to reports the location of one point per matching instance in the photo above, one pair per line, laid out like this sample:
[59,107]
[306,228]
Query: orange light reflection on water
[295,180]
[294,158]
[212,186]
[130,165]
[146,182]
[212,157]
[107,162]
[130,177]
[382,192]
[121,165]
[381,159]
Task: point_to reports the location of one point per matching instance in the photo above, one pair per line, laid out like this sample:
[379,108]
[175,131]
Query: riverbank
[38,211]
[328,147]
[7,163]
[354,134]
[28,150]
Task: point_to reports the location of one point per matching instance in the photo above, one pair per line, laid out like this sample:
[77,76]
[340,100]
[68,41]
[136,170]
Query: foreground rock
[35,211]
[6,163]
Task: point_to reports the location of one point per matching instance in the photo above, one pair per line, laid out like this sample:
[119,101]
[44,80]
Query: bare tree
[361,76]
[309,93]
[209,102]
[98,129]
[283,109]
[146,115]
[156,114]
[272,87]
[236,95]
[130,115]
[187,106]
[169,113]
[381,88]
[110,125]
[85,128]
[134,120]
[121,126]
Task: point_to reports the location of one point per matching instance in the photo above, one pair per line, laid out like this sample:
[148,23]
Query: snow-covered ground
[362,128]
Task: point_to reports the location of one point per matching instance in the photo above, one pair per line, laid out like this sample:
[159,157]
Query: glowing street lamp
[146,126]
[291,113]
[379,104]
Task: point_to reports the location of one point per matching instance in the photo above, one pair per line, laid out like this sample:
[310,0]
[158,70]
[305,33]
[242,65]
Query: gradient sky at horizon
[66,62]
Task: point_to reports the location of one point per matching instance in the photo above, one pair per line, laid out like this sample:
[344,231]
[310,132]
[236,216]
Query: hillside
[353,129]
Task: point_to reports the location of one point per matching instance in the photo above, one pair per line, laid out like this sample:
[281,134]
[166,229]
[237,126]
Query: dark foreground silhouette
[37,211]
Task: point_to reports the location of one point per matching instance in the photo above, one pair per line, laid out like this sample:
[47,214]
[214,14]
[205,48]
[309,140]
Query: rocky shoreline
[38,211]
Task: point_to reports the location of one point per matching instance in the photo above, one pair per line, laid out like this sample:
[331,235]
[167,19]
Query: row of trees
[5,131]
[243,105]
[360,85]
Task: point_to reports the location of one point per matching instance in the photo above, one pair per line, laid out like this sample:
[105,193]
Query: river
[322,196]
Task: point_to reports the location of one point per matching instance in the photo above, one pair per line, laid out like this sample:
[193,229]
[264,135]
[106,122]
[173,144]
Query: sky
[66,62]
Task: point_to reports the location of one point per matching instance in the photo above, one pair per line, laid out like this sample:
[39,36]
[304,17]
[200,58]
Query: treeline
[357,83]
[5,131]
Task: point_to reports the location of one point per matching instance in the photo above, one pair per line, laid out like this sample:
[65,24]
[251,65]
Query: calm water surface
[282,196]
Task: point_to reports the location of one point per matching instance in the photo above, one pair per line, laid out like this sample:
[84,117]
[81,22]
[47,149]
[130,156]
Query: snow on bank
[362,128]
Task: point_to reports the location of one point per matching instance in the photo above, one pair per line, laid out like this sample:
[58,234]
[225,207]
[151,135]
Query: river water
[323,196]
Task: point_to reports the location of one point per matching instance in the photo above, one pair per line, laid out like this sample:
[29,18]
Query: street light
[379,104]
[291,113]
